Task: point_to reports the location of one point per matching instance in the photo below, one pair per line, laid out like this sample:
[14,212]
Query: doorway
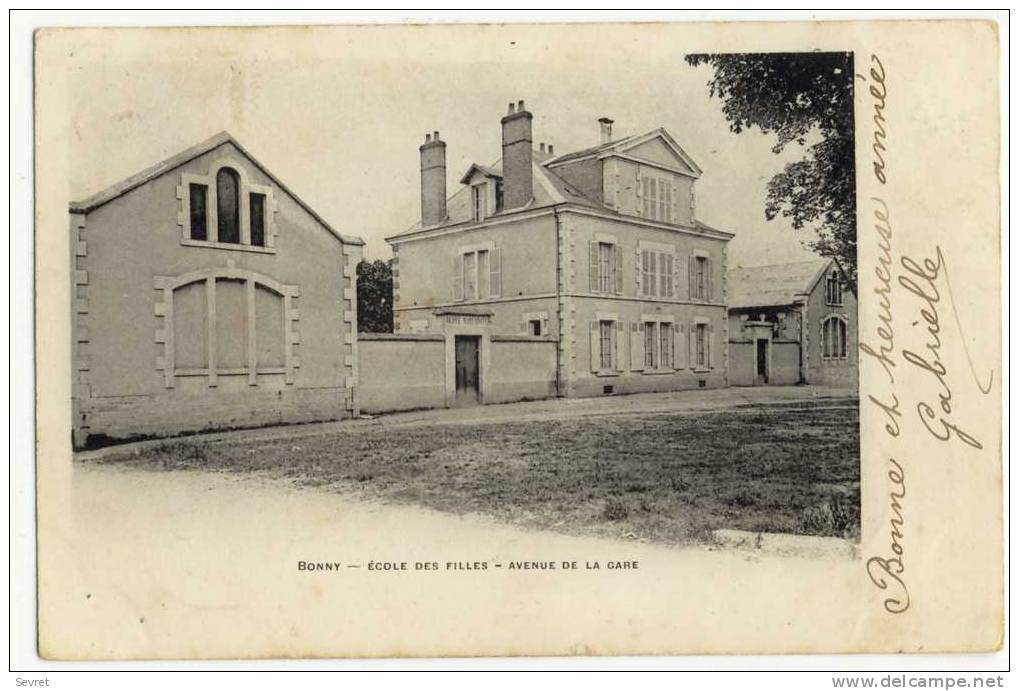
[762,362]
[467,370]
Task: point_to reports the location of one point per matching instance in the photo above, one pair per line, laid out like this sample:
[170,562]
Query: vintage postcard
[518,339]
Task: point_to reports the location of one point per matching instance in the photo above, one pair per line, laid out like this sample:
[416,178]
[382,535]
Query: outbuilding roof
[774,285]
[118,189]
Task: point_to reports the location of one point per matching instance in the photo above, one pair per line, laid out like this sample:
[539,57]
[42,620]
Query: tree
[797,96]
[375,296]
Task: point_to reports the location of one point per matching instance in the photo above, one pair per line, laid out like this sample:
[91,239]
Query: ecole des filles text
[539,565]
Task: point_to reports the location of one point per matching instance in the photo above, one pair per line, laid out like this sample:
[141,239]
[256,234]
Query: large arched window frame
[252,281]
[248,194]
[834,337]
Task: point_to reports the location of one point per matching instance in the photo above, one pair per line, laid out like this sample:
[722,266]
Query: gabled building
[599,249]
[205,295]
[792,323]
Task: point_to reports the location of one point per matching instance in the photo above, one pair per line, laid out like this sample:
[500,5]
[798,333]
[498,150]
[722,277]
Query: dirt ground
[649,472]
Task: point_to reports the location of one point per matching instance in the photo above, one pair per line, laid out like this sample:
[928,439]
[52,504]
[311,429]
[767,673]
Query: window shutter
[544,326]
[637,346]
[671,264]
[710,289]
[691,272]
[675,203]
[525,326]
[693,345]
[458,288]
[679,345]
[663,275]
[495,272]
[617,347]
[595,347]
[618,252]
[637,271]
[711,346]
[637,187]
[593,265]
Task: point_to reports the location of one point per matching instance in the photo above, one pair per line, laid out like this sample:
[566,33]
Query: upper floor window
[657,273]
[657,198]
[833,289]
[223,209]
[477,274]
[606,267]
[700,278]
[228,207]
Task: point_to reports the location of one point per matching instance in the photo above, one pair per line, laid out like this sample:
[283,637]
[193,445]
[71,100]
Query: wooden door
[467,370]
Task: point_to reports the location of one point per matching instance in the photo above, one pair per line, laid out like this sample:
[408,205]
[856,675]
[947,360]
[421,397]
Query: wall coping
[365,336]
[521,338]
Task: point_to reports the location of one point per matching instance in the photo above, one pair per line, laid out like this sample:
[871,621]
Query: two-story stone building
[599,249]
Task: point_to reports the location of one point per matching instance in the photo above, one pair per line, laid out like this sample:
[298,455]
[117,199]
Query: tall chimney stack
[606,129]
[433,180]
[517,181]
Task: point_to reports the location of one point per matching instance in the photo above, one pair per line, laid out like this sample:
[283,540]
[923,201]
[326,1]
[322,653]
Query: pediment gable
[659,147]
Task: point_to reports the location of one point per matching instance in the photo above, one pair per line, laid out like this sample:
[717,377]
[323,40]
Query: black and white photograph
[492,339]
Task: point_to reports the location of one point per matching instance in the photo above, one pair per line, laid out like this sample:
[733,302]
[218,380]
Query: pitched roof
[627,143]
[118,189]
[774,285]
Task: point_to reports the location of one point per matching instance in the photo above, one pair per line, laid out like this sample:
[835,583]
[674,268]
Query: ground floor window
[666,345]
[605,329]
[701,345]
[651,345]
[833,338]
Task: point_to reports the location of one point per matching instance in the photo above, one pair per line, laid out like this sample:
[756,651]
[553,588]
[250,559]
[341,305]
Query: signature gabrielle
[921,280]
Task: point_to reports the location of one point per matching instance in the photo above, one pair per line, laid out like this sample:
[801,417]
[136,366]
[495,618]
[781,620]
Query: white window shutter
[525,326]
[593,265]
[693,346]
[691,272]
[711,346]
[595,347]
[636,348]
[710,290]
[544,326]
[639,191]
[458,287]
[675,202]
[617,347]
[618,252]
[671,265]
[637,271]
[679,345]
[495,273]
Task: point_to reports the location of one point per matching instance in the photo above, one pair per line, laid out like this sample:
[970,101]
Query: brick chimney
[606,129]
[433,180]
[517,181]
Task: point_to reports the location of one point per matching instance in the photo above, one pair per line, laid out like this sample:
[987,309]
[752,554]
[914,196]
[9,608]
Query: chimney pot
[433,180]
[550,149]
[606,129]
[542,147]
[517,157]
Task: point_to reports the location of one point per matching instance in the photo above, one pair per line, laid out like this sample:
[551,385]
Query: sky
[338,113]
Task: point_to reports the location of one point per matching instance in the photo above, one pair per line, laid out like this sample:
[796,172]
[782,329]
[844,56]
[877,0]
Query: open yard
[665,476]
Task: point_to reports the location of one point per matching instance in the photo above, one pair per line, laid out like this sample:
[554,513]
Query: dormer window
[479,201]
[222,209]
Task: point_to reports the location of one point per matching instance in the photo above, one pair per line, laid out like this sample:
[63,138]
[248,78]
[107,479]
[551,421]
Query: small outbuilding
[792,323]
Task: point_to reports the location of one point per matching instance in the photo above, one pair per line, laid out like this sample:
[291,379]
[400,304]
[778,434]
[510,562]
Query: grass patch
[664,477]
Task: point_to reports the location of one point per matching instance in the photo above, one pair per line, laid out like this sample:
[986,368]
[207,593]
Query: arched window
[228,188]
[833,337]
[833,288]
